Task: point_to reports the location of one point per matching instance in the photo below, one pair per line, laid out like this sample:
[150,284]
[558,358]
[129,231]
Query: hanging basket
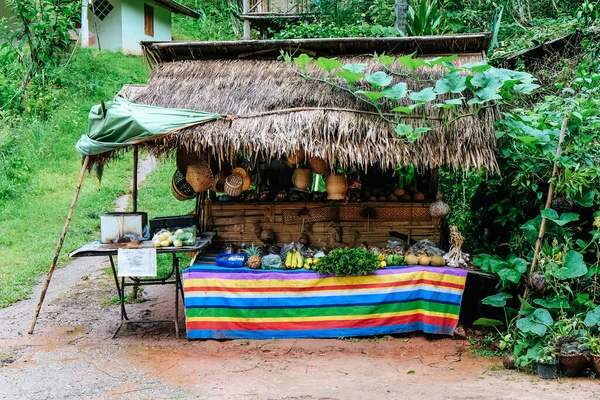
[246,182]
[180,189]
[219,183]
[184,159]
[318,165]
[199,176]
[240,171]
[233,185]
[336,186]
[302,178]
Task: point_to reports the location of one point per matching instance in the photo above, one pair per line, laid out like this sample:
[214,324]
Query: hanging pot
[267,236]
[439,209]
[199,176]
[296,158]
[233,185]
[336,185]
[318,165]
[302,178]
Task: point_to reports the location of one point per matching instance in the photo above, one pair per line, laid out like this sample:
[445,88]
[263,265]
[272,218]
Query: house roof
[178,8]
[277,111]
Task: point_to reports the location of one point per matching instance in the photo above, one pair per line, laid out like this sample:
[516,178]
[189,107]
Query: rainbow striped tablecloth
[231,303]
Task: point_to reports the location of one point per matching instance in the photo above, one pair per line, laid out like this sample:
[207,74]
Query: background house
[122,24]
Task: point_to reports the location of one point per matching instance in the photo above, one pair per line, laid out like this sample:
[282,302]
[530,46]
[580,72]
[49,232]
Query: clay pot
[297,158]
[302,178]
[336,185]
[318,165]
[439,209]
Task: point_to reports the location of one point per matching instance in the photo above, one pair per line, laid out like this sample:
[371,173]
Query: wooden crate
[325,224]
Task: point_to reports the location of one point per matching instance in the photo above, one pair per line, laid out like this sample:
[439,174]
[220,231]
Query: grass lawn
[32,218]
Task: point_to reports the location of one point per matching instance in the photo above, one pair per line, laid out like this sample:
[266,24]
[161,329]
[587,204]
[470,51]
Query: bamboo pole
[86,162]
[540,238]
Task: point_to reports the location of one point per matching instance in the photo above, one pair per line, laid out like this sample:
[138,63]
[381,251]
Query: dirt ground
[72,355]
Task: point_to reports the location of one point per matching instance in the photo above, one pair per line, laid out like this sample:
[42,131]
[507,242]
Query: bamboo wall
[323,223]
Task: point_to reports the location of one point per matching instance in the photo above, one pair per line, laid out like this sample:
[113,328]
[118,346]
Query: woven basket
[246,182]
[302,178]
[316,214]
[180,189]
[318,165]
[296,158]
[184,158]
[573,365]
[233,185]
[336,185]
[219,183]
[199,176]
[596,364]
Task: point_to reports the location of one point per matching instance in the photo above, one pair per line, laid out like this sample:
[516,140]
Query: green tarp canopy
[127,123]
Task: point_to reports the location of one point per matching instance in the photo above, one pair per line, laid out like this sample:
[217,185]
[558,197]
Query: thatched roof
[326,122]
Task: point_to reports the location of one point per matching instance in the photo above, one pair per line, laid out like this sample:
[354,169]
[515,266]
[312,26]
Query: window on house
[148,20]
[101,8]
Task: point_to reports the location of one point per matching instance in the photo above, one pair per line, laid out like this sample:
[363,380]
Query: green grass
[33,213]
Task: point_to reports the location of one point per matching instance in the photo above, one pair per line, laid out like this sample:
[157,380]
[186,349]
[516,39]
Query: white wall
[133,25]
[108,32]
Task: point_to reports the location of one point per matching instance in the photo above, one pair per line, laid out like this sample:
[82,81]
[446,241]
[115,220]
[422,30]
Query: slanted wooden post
[540,238]
[86,162]
[134,185]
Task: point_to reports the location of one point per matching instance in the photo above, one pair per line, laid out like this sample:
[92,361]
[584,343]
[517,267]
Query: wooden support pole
[540,238]
[86,162]
[247,27]
[134,185]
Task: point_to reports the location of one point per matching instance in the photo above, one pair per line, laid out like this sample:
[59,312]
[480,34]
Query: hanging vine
[474,86]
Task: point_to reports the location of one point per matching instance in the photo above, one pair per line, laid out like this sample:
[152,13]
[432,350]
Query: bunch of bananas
[293,259]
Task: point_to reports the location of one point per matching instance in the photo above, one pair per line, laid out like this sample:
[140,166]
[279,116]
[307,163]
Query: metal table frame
[96,249]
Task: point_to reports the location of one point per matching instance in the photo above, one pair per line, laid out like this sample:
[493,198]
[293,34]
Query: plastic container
[547,371]
[231,260]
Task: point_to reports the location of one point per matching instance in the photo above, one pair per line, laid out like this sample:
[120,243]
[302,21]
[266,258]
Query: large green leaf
[573,266]
[487,322]
[509,274]
[450,103]
[386,60]
[592,318]
[496,300]
[425,95]
[373,96]
[405,109]
[452,82]
[358,68]
[432,62]
[536,323]
[328,64]
[488,94]
[410,62]
[526,87]
[396,92]
[477,66]
[302,60]
[378,79]
[554,303]
[564,219]
[349,76]
[586,198]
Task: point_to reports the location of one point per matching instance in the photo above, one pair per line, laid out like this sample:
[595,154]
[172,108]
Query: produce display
[253,253]
[178,238]
[348,262]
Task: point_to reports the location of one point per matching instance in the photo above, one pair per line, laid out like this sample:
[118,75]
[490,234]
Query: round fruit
[424,260]
[373,198]
[164,243]
[392,197]
[399,192]
[437,261]
[381,198]
[411,259]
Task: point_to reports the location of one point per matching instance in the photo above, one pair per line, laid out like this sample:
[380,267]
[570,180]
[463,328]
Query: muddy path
[72,355]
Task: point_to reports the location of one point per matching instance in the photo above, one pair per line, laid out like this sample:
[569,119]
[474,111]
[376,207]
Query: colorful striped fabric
[230,303]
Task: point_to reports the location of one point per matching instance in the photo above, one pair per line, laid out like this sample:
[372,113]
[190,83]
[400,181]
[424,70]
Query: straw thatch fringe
[258,87]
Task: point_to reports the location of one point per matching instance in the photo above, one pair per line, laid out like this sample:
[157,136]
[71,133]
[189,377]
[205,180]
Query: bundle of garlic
[455,257]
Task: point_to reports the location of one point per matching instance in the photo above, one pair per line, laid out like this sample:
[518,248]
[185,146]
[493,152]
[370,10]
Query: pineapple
[253,253]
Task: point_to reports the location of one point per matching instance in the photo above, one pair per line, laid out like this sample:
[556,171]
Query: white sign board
[137,262]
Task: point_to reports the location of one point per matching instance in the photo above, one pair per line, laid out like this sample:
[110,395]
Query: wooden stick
[134,185]
[540,238]
[60,244]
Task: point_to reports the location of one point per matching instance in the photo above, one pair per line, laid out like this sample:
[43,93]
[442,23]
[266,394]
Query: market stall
[290,173]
